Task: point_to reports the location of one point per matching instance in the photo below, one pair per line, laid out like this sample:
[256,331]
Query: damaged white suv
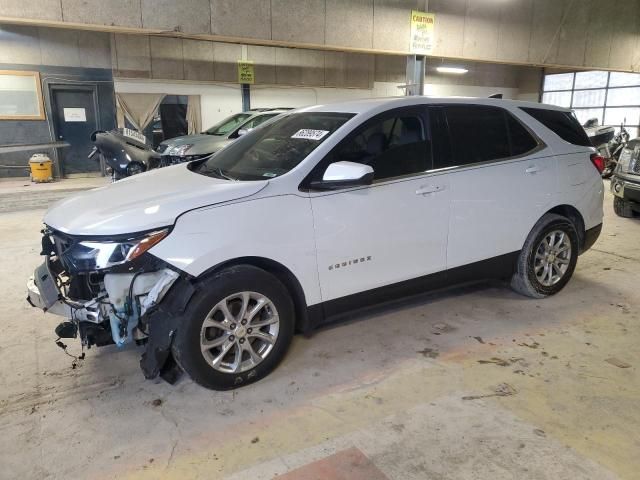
[212,266]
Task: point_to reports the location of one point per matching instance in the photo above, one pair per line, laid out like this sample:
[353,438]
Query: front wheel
[548,257]
[236,329]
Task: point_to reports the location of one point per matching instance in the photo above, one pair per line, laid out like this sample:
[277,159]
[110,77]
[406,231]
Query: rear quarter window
[563,124]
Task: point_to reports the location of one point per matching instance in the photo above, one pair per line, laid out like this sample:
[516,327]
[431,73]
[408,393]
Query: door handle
[532,169]
[426,189]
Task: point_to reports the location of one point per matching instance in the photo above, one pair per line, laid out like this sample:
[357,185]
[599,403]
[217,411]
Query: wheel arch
[304,323]
[574,215]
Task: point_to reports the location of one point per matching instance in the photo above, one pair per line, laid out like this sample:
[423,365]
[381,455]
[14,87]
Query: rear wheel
[237,329]
[622,208]
[548,257]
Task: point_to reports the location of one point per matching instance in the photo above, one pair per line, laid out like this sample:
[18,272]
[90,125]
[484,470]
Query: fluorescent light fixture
[454,70]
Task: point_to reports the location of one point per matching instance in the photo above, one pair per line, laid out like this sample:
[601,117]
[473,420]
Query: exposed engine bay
[105,288]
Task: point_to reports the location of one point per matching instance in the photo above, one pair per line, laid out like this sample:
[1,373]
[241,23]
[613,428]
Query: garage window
[612,98]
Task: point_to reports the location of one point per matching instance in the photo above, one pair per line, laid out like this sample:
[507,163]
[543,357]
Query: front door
[387,234]
[74,110]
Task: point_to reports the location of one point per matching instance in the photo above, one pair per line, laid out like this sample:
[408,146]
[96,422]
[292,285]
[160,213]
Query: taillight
[598,161]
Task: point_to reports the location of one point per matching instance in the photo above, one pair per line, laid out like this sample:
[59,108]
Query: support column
[415,75]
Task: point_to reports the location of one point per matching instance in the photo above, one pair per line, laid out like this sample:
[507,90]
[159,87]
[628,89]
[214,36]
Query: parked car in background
[213,264]
[192,147]
[625,183]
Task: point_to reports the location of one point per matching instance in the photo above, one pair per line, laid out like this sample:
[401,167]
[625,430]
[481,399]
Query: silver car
[193,147]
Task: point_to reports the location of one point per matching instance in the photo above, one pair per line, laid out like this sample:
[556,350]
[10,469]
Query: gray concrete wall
[575,33]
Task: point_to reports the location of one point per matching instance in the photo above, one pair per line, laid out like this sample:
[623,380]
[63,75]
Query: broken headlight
[92,255]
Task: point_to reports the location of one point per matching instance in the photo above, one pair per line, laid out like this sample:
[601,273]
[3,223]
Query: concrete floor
[478,383]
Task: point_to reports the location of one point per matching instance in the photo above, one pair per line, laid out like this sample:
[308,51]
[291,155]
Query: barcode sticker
[310,134]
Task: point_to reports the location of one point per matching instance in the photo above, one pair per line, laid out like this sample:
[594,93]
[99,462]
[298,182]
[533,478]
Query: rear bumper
[590,237]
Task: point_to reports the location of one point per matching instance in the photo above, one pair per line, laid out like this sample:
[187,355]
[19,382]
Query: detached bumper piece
[162,322]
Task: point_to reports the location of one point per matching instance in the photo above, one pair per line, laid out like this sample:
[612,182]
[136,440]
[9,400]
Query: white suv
[214,264]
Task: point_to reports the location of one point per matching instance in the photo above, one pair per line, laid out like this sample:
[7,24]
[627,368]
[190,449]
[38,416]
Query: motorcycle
[608,143]
[615,147]
[124,151]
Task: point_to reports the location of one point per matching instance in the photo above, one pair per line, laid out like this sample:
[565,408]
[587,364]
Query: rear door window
[470,134]
[563,124]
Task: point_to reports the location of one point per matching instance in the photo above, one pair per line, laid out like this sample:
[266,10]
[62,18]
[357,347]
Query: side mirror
[243,131]
[343,175]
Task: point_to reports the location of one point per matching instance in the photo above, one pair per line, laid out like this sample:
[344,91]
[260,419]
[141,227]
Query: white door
[502,180]
[392,231]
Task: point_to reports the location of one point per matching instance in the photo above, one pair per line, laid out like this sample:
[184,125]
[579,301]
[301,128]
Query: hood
[201,143]
[143,202]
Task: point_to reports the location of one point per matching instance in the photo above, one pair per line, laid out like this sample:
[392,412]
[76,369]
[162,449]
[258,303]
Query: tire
[532,258]
[621,208]
[235,287]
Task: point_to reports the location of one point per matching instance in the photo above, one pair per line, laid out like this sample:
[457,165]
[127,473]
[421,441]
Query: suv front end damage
[106,288]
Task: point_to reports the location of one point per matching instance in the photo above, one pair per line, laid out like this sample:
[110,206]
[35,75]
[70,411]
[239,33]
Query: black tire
[186,346]
[621,208]
[524,280]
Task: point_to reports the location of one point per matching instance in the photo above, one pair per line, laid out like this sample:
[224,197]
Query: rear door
[502,180]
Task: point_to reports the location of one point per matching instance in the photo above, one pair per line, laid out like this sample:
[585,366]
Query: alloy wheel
[239,332]
[552,258]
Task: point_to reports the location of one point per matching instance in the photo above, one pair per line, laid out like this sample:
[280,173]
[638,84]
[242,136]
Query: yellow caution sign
[246,74]
[422,37]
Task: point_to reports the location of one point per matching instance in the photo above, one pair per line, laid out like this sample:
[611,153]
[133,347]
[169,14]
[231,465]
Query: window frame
[417,110]
[38,92]
[540,144]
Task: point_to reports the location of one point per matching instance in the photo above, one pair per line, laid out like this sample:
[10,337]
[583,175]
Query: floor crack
[173,450]
[616,255]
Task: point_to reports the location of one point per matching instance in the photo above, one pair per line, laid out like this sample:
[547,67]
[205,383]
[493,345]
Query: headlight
[90,256]
[180,150]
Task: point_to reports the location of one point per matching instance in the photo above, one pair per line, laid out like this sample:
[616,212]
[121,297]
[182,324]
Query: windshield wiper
[220,173]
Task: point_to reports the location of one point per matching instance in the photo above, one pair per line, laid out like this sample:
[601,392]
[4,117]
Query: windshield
[228,125]
[274,148]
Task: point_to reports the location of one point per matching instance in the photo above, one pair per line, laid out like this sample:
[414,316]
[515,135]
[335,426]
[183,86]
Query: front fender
[277,228]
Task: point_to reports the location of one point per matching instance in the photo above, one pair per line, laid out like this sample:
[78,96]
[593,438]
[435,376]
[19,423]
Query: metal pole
[415,75]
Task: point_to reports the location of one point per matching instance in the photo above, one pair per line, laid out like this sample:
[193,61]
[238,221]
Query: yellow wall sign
[246,73]
[422,25]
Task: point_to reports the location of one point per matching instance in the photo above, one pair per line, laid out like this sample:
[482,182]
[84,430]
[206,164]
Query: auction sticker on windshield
[310,134]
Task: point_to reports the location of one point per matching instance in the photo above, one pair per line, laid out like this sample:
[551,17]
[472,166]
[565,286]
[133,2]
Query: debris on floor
[617,362]
[500,390]
[497,361]
[429,353]
[440,328]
